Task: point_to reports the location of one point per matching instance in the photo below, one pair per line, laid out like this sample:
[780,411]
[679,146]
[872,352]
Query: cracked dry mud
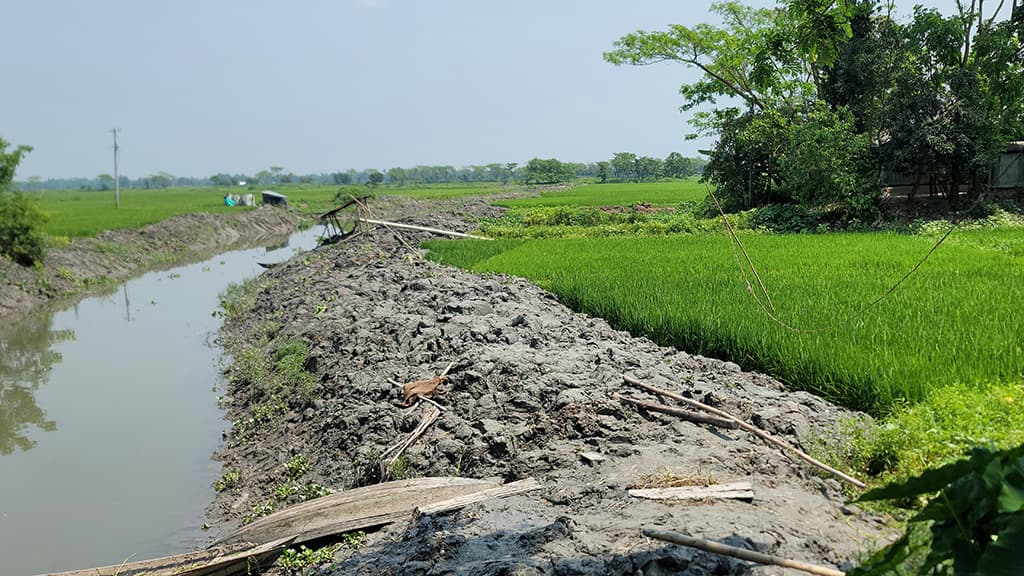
[531,389]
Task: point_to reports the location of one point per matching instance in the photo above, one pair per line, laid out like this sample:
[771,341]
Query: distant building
[272,198]
[1008,173]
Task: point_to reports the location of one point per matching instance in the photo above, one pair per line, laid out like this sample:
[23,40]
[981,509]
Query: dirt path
[88,264]
[531,388]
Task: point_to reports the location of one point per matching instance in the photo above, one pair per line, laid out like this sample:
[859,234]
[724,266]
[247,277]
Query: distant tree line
[624,166]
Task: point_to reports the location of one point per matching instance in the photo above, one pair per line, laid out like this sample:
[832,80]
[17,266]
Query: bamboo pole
[688,415]
[421,229]
[749,428]
[741,553]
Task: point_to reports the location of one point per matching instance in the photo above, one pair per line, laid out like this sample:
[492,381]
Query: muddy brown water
[109,417]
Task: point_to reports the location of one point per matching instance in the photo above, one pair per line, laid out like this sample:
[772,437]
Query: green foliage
[686,291]
[826,166]
[833,91]
[589,222]
[259,510]
[21,229]
[239,297]
[940,429]
[290,367]
[226,481]
[297,560]
[974,525]
[785,218]
[654,193]
[21,222]
[297,466]
[549,171]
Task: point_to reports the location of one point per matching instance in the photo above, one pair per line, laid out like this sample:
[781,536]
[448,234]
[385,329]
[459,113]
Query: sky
[198,87]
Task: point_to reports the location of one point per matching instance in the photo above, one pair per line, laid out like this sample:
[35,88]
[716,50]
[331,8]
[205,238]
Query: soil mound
[530,389]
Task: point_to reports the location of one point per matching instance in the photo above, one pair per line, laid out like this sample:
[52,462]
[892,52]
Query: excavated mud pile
[531,387]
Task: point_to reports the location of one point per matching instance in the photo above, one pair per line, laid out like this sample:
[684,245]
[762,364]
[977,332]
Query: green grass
[958,320]
[616,194]
[75,213]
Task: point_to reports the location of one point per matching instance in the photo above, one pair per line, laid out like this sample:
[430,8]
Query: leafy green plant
[229,479]
[21,228]
[312,491]
[295,560]
[283,491]
[259,510]
[298,466]
[974,525]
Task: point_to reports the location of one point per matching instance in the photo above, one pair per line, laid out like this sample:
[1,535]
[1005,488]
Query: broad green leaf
[1005,556]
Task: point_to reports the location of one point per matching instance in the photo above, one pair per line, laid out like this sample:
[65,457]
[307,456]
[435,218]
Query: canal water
[109,417]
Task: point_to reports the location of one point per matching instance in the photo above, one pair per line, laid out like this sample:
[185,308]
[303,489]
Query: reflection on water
[27,356]
[108,419]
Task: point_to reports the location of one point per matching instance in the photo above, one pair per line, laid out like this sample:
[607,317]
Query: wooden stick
[428,418]
[504,491]
[749,428]
[736,491]
[421,229]
[689,415]
[741,553]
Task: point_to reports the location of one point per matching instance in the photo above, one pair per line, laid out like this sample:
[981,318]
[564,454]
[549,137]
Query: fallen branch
[749,428]
[421,229]
[504,491]
[741,553]
[429,417]
[735,491]
[688,415]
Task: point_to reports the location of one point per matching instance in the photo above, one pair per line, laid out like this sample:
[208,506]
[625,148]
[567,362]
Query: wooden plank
[504,491]
[217,561]
[736,491]
[355,509]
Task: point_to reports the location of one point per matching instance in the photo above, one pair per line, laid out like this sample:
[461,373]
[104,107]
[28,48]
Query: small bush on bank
[21,229]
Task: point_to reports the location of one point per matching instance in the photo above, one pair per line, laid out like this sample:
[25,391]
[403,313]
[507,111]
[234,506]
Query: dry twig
[749,428]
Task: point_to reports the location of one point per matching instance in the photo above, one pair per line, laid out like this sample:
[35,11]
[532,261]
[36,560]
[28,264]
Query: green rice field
[78,213]
[616,194]
[958,320]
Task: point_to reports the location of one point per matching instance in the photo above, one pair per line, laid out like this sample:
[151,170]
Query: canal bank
[90,265]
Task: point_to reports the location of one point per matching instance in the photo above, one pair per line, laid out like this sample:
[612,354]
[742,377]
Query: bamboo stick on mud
[688,415]
[749,428]
[429,416]
[741,553]
[421,229]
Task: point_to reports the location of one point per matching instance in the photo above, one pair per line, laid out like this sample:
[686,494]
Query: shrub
[21,229]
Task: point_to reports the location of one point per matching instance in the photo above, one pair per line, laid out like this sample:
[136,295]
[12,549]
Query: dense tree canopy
[814,97]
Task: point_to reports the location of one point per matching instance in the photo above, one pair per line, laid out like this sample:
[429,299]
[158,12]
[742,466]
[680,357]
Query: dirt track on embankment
[532,387]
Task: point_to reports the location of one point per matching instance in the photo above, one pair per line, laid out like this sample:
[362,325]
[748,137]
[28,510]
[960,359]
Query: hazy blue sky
[205,86]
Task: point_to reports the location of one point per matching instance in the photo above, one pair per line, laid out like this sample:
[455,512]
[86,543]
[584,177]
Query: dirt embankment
[531,389]
[89,263]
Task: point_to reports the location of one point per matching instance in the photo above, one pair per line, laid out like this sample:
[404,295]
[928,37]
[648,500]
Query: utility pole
[117,179]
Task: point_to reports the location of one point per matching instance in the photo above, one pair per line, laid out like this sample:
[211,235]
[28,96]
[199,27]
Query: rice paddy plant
[616,194]
[958,320]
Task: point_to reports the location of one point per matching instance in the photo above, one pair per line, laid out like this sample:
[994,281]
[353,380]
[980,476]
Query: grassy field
[958,320]
[84,213]
[616,194]
[76,213]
